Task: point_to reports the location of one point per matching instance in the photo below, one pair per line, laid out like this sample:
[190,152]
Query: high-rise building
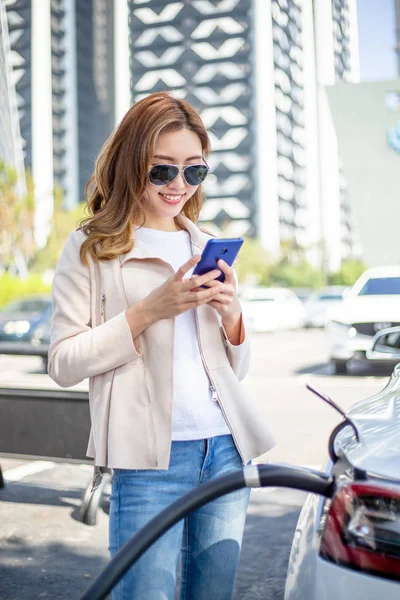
[11,153]
[336,59]
[256,70]
[203,51]
[62,59]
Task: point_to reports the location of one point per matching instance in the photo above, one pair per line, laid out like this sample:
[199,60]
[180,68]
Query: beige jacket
[130,392]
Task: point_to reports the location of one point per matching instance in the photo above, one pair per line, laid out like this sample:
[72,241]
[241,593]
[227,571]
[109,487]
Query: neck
[161,224]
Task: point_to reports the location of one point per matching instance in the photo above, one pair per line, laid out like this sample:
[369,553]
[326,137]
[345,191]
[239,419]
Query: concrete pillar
[266,139]
[42,118]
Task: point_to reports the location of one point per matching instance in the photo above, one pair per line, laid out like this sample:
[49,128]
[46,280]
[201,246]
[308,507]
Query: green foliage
[253,263]
[17,245]
[63,222]
[348,273]
[299,275]
[13,288]
[293,270]
[254,266]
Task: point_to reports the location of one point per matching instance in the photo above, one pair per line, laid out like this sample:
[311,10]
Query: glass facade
[92,66]
[289,100]
[19,14]
[10,137]
[94,44]
[202,51]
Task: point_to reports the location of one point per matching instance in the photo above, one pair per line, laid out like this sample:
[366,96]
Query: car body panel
[328,583]
[271,309]
[367,309]
[311,577]
[321,303]
[378,423]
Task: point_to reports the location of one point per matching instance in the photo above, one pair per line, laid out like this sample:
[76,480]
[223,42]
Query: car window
[26,306]
[330,297]
[381,286]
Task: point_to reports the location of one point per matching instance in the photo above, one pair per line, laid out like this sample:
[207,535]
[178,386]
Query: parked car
[321,302]
[372,304]
[303,294]
[20,322]
[271,309]
[348,547]
[385,346]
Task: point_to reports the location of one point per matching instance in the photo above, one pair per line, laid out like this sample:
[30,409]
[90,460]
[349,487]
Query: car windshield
[381,286]
[26,306]
[324,297]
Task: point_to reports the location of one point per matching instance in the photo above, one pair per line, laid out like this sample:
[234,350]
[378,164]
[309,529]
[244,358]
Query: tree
[293,270]
[17,244]
[63,222]
[348,273]
[253,263]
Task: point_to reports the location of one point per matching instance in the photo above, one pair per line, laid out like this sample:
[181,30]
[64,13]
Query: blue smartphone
[216,248]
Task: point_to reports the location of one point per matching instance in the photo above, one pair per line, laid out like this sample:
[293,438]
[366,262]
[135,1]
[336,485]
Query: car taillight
[362,529]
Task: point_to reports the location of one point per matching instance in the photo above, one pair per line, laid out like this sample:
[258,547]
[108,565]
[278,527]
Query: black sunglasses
[164,174]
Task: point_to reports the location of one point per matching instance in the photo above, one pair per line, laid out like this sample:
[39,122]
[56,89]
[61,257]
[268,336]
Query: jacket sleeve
[76,349]
[238,356]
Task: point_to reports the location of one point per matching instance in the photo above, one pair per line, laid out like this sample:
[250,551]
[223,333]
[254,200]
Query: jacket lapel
[197,237]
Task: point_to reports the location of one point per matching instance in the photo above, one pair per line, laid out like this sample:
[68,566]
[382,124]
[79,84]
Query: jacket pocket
[131,430]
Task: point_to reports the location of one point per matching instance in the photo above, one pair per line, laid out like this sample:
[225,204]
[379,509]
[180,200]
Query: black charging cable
[263,475]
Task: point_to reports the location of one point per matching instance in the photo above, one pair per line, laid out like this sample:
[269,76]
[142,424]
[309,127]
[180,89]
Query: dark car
[20,323]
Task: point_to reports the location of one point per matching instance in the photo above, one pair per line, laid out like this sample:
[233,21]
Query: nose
[178,183]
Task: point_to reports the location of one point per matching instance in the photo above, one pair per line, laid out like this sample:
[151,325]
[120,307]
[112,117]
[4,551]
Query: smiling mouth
[172,198]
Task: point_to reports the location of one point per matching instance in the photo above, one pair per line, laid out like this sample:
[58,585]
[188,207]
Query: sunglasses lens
[195,174]
[163,174]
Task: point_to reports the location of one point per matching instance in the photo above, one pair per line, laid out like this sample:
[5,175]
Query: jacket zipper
[103,307]
[215,396]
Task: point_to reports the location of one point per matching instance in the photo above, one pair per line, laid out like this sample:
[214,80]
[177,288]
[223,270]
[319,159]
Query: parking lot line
[18,473]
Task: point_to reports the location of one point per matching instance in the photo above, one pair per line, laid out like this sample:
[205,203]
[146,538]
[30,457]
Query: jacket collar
[198,240]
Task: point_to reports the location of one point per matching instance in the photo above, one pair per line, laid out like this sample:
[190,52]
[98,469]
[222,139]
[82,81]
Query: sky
[377,38]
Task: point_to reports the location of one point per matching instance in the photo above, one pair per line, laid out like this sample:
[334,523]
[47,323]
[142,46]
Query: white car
[271,309]
[320,302]
[348,547]
[372,304]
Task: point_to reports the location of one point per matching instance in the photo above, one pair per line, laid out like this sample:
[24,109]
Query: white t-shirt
[195,414]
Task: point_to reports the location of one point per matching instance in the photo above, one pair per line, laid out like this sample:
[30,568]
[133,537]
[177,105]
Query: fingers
[223,298]
[227,271]
[185,268]
[202,296]
[199,280]
[227,288]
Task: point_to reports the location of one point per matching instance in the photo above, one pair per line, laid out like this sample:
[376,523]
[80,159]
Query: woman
[164,355]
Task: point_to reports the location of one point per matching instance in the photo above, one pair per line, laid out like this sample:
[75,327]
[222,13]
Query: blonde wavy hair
[116,192]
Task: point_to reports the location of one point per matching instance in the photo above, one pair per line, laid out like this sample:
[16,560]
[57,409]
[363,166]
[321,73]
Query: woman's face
[165,202]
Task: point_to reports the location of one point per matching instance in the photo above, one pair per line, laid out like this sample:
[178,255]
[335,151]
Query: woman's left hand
[226,303]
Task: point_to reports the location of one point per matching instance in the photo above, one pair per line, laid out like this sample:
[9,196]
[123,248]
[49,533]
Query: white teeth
[172,197]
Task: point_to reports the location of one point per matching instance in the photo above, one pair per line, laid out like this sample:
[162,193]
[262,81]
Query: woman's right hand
[177,295]
[174,297]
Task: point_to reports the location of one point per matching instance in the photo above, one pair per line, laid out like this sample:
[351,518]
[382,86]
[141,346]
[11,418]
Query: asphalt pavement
[46,552]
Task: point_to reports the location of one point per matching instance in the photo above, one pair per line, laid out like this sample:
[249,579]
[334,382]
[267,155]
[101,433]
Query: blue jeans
[209,539]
